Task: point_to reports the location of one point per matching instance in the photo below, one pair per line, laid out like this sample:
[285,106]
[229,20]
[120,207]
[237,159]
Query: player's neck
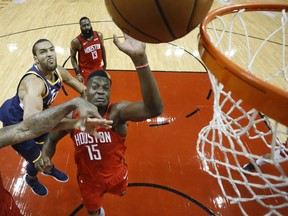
[49,75]
[102,110]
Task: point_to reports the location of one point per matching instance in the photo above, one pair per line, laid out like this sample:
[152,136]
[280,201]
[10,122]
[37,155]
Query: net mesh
[238,133]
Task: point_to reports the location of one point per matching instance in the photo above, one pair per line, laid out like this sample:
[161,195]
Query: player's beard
[49,67]
[87,33]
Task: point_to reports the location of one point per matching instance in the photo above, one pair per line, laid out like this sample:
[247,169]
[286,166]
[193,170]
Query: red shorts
[93,192]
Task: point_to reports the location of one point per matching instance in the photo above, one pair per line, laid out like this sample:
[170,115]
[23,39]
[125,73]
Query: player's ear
[35,59]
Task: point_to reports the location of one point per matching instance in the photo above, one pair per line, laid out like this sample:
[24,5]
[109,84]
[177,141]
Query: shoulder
[75,40]
[33,82]
[32,76]
[76,43]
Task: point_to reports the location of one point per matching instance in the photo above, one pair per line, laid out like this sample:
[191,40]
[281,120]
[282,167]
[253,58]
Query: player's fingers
[82,124]
[107,124]
[89,110]
[47,163]
[97,115]
[116,40]
[39,165]
[49,167]
[121,46]
[94,123]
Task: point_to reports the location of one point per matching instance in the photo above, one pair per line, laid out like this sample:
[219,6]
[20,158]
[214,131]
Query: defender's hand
[43,164]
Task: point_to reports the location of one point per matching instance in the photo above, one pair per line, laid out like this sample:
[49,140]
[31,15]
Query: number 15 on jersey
[94,152]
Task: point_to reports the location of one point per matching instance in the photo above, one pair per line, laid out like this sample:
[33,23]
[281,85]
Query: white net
[239,134]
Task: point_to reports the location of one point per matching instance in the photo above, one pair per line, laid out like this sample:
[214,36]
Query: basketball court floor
[166,175]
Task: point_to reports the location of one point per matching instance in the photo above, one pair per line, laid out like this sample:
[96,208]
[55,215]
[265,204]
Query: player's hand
[130,46]
[43,164]
[98,123]
[86,110]
[90,117]
[91,124]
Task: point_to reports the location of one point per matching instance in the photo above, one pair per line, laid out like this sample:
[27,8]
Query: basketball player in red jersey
[101,166]
[91,51]
[40,123]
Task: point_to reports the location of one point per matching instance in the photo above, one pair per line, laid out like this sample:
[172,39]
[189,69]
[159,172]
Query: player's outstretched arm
[48,120]
[152,105]
[69,80]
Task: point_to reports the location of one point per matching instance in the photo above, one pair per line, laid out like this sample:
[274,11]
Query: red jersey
[90,55]
[98,159]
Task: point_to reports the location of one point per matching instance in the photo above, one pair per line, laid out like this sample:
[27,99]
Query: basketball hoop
[250,106]
[251,89]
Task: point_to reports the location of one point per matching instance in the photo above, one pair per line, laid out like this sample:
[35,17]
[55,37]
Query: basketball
[157,21]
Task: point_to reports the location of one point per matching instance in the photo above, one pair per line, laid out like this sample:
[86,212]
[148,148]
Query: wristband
[142,66]
[34,161]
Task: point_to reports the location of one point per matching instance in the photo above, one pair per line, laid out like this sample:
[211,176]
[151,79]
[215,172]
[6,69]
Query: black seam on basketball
[165,19]
[191,16]
[135,28]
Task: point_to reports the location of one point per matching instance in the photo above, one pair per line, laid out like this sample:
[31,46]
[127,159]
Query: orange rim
[263,96]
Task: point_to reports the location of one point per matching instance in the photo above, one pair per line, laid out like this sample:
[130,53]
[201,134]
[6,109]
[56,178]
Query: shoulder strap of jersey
[59,74]
[81,39]
[97,35]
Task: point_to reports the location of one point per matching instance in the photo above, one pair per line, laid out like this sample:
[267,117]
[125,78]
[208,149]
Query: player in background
[87,51]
